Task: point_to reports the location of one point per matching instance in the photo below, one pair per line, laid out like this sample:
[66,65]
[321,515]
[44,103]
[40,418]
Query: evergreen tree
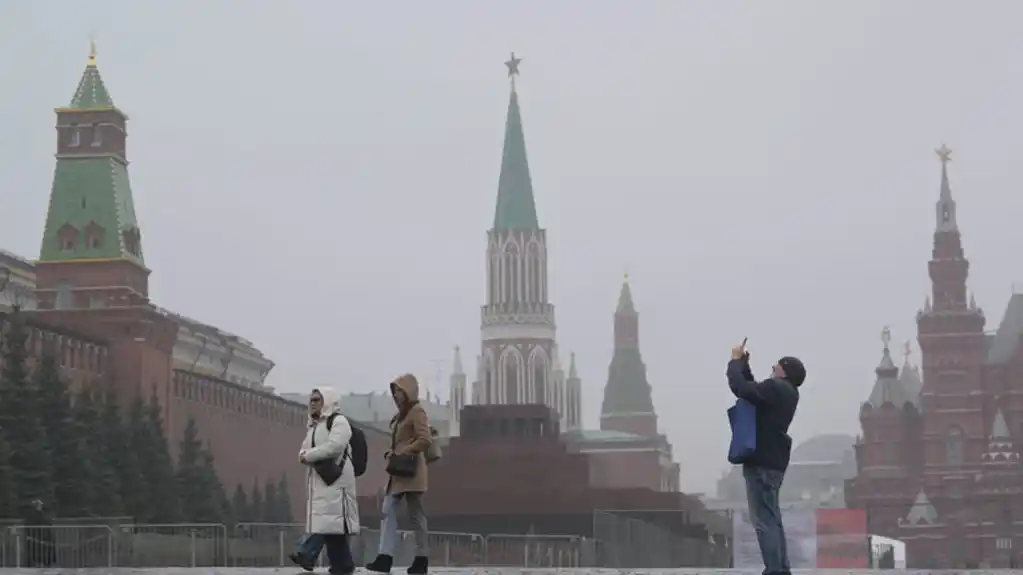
[167,504]
[72,477]
[102,465]
[93,497]
[239,505]
[8,497]
[21,419]
[118,455]
[255,503]
[200,501]
[221,505]
[284,500]
[271,510]
[159,501]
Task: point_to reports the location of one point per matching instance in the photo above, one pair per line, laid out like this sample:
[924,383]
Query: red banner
[842,539]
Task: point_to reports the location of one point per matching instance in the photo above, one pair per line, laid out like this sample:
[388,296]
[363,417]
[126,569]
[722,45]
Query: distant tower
[573,418]
[91,254]
[518,328]
[458,392]
[628,405]
[953,347]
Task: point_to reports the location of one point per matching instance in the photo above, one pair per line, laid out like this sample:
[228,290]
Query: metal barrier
[657,540]
[68,546]
[171,545]
[511,550]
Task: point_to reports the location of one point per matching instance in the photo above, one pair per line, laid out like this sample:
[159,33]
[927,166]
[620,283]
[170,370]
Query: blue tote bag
[742,418]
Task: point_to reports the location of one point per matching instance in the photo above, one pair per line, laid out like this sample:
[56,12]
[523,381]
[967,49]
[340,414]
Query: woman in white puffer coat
[332,511]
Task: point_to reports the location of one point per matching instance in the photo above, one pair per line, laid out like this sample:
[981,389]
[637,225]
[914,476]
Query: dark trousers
[762,488]
[339,553]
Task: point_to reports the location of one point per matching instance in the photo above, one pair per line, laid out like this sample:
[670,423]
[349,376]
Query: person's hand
[739,352]
[301,457]
[387,454]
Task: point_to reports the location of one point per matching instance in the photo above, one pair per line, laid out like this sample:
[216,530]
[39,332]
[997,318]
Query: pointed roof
[91,214]
[572,373]
[625,304]
[999,428]
[1006,340]
[887,387]
[1000,448]
[91,93]
[909,376]
[946,206]
[922,511]
[516,209]
[457,367]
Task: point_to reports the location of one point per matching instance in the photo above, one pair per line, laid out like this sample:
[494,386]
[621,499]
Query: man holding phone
[775,400]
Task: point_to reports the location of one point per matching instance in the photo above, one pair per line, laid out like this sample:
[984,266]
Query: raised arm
[337,441]
[742,384]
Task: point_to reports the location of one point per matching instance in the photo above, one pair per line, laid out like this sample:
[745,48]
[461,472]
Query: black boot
[382,564]
[419,565]
[302,561]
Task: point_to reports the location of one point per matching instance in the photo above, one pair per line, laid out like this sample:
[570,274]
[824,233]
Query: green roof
[91,93]
[516,209]
[91,199]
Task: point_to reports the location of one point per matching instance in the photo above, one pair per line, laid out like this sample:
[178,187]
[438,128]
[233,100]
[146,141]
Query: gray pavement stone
[488,571]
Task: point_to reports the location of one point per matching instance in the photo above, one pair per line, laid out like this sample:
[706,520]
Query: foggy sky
[318,176]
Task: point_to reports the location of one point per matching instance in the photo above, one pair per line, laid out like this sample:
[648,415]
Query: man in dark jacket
[775,399]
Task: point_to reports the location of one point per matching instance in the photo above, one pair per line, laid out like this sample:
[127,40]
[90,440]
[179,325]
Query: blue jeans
[762,487]
[339,554]
[389,535]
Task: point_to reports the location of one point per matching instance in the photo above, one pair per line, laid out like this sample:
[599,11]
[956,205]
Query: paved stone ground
[483,571]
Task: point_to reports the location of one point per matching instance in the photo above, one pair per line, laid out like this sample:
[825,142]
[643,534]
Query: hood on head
[409,385]
[331,400]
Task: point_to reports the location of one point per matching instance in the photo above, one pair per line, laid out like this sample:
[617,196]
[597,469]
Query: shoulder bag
[403,464]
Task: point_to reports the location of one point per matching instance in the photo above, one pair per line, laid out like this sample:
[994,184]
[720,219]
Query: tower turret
[517,327]
[457,393]
[628,405]
[574,400]
[953,346]
[91,254]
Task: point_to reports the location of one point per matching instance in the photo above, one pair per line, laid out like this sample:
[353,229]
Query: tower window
[954,446]
[97,135]
[76,137]
[67,236]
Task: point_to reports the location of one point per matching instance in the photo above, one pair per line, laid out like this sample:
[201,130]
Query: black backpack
[357,450]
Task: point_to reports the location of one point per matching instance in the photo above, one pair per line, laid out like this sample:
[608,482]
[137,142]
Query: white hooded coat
[330,508]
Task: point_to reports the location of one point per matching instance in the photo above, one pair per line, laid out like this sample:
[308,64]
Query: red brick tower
[953,349]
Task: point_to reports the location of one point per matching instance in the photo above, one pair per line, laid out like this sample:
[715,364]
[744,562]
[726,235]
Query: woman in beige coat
[410,435]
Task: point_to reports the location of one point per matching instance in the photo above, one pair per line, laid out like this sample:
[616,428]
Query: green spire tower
[628,405]
[91,254]
[516,209]
[518,354]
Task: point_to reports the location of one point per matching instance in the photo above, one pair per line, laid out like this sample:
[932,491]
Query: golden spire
[626,275]
[907,350]
[944,154]
[92,53]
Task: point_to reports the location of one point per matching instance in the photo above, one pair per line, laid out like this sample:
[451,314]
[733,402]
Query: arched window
[539,380]
[511,379]
[535,273]
[955,446]
[514,277]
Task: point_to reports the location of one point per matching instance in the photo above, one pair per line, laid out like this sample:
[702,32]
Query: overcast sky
[318,176]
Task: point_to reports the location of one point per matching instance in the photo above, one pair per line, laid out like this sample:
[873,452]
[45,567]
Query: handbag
[742,418]
[329,470]
[400,465]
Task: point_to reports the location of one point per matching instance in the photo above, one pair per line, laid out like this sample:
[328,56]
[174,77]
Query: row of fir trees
[81,457]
